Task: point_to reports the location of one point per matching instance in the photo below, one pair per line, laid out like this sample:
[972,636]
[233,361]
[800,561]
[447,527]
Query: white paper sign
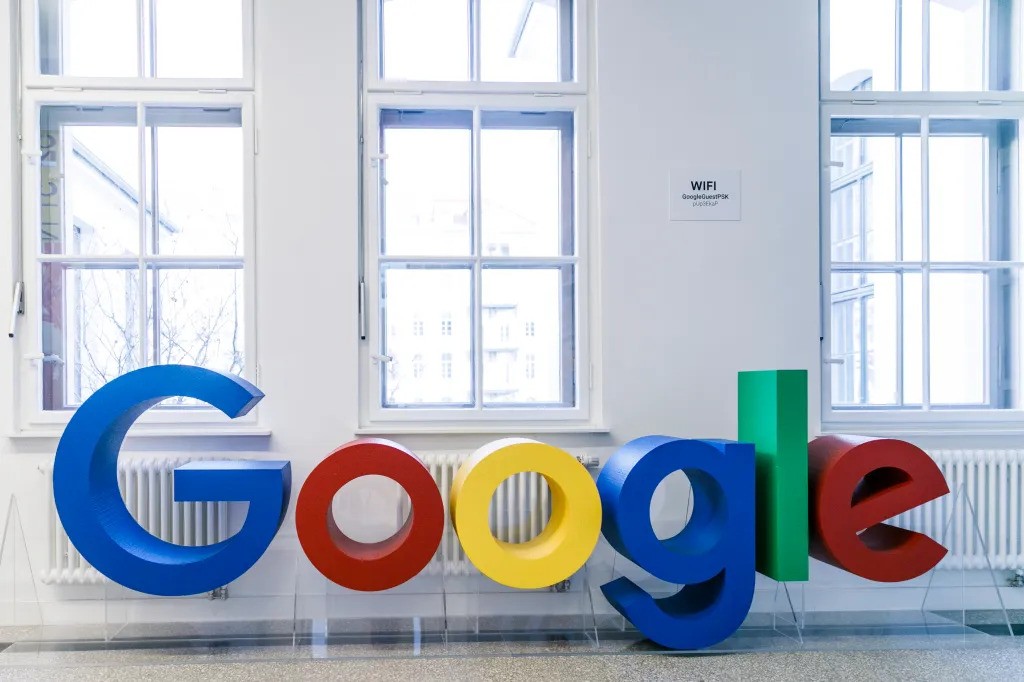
[705,195]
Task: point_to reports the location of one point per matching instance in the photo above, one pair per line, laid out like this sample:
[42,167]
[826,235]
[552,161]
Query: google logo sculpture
[764,504]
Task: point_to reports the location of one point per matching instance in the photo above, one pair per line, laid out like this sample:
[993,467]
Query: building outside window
[921,191]
[138,196]
[476,207]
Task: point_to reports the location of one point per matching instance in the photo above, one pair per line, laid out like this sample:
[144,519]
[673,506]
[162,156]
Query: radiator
[147,488]
[519,511]
[991,480]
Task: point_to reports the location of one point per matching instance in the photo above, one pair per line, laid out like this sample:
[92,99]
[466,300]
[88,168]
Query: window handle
[385,359]
[17,307]
[835,361]
[40,357]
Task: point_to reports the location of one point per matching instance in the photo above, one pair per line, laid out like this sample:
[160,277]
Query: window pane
[425,39]
[862,40]
[958,168]
[431,364]
[876,197]
[89,330]
[958,45]
[519,40]
[197,318]
[524,193]
[913,339]
[958,338]
[426,187]
[520,368]
[911,55]
[912,201]
[89,38]
[868,337]
[89,190]
[198,38]
[199,185]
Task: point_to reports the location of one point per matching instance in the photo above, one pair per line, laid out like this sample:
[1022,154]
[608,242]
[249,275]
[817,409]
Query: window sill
[511,429]
[164,431]
[923,430]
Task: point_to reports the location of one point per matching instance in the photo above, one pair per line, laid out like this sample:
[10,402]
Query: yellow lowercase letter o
[566,542]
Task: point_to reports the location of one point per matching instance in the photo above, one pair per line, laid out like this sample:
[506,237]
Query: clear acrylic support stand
[935,610]
[21,613]
[283,608]
[987,605]
[486,617]
[258,608]
[339,622]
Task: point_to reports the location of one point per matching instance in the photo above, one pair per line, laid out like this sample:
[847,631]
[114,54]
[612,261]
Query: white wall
[729,84]
[721,85]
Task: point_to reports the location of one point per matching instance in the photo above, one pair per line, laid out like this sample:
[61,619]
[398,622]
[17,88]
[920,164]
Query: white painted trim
[508,428]
[33,79]
[375,84]
[147,431]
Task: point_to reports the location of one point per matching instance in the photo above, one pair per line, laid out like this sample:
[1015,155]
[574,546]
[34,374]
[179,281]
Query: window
[530,329]
[137,199]
[417,367]
[921,207]
[475,208]
[921,45]
[531,366]
[180,39]
[417,327]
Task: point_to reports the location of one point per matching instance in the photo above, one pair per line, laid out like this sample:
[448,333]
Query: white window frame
[32,78]
[993,104]
[475,96]
[987,97]
[37,91]
[373,82]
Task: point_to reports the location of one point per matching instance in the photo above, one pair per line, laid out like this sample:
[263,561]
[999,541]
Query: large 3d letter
[855,484]
[566,542]
[369,566]
[773,416]
[713,556]
[100,526]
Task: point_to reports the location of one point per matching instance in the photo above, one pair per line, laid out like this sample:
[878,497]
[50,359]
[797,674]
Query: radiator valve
[563,586]
[219,593]
[1017,579]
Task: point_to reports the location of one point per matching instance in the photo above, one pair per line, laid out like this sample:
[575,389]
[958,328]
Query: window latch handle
[41,357]
[382,358]
[17,307]
[835,361]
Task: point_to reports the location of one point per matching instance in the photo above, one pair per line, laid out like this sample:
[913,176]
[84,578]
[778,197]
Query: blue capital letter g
[95,517]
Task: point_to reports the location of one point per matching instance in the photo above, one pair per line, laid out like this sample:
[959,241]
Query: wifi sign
[704,194]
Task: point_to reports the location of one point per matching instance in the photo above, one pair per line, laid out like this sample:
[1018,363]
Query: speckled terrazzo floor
[973,664]
[862,646]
